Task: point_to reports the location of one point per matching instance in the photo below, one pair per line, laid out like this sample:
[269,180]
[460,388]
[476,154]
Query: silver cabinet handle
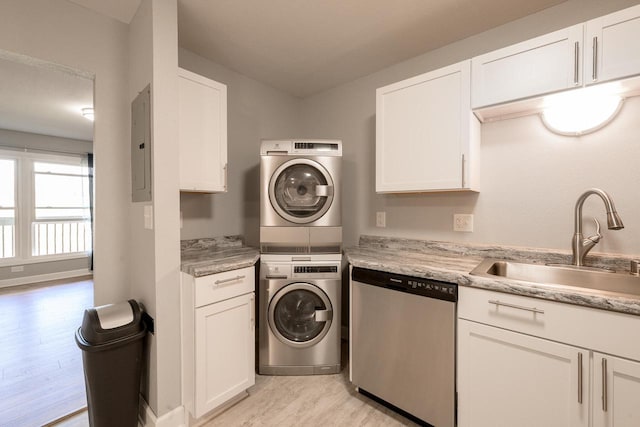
[252,311]
[576,57]
[226,171]
[594,72]
[462,171]
[580,378]
[273,276]
[604,385]
[519,307]
[224,281]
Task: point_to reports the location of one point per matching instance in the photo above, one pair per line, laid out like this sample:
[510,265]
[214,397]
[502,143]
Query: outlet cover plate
[463,222]
[381,219]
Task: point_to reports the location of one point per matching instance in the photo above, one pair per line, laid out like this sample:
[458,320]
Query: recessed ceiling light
[581,111]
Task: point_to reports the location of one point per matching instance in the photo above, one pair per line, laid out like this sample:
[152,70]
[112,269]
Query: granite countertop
[202,257]
[452,262]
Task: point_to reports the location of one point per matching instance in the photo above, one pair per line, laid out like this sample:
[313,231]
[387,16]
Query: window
[7,208]
[51,214]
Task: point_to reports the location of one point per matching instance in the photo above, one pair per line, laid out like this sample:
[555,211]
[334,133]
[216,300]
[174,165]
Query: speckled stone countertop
[201,257]
[452,262]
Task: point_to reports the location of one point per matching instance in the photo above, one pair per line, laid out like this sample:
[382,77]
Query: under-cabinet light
[581,111]
[87,113]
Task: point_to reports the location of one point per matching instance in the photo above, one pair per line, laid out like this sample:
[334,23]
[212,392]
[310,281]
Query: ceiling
[42,99]
[306,46]
[301,47]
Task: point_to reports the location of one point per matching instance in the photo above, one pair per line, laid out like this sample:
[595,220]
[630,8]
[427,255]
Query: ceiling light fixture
[87,113]
[581,111]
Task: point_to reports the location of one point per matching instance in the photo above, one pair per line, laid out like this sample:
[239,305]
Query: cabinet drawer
[605,331]
[221,286]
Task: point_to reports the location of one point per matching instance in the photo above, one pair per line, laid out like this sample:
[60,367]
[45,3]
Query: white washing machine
[299,315]
[300,199]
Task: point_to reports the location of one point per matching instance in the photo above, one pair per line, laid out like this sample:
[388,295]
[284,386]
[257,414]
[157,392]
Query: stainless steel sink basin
[561,276]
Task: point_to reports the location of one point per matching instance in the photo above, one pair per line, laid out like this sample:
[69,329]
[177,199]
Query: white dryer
[300,199]
[299,307]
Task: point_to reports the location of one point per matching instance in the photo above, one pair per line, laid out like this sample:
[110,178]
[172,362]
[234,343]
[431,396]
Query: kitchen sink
[588,278]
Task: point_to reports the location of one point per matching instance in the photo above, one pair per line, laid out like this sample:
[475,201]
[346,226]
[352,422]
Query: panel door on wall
[224,351]
[508,379]
[202,132]
[616,392]
[423,132]
[611,46]
[542,65]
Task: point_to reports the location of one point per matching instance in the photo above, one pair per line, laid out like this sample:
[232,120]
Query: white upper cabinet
[601,50]
[426,135]
[612,50]
[202,129]
[546,64]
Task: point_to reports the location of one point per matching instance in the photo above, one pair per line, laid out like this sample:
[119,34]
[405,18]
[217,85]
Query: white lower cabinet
[510,379]
[530,362]
[616,392]
[218,338]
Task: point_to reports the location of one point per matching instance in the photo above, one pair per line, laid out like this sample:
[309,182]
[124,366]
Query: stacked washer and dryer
[300,267]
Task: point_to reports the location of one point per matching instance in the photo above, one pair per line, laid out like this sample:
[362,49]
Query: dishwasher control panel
[413,285]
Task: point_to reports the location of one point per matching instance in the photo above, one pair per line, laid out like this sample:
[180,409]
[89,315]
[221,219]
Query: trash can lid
[111,322]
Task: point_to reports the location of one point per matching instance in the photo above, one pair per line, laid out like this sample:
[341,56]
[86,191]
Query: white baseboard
[43,277]
[147,418]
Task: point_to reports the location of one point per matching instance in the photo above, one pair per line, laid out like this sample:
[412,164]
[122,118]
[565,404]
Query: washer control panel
[300,270]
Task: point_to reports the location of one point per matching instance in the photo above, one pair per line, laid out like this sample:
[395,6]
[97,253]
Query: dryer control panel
[303,147]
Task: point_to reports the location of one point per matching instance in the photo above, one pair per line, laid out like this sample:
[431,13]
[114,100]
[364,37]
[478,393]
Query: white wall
[255,111]
[64,33]
[155,255]
[530,178]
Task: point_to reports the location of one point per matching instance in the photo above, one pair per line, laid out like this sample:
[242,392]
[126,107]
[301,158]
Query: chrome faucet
[580,245]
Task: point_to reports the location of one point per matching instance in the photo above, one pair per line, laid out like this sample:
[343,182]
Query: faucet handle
[596,237]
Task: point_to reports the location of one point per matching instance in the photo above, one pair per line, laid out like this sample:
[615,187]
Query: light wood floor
[41,376]
[309,401]
[301,401]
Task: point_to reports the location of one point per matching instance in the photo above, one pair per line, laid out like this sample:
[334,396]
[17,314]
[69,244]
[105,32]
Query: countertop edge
[613,303]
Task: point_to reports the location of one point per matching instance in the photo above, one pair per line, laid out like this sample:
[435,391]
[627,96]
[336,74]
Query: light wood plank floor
[309,401]
[300,401]
[41,376]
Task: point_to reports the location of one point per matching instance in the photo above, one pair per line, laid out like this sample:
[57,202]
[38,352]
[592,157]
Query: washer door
[300,314]
[301,191]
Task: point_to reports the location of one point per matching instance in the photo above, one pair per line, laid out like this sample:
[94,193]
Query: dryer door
[301,190]
[300,314]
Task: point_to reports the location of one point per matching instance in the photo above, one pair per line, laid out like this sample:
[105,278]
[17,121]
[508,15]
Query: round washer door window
[301,191]
[300,314]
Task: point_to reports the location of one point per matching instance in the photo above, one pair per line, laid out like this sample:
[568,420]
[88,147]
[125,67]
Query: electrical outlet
[463,222]
[381,219]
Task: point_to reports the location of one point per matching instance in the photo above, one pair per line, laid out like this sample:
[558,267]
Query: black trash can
[111,338]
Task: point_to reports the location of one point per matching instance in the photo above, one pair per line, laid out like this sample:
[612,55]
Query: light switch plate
[148,217]
[463,222]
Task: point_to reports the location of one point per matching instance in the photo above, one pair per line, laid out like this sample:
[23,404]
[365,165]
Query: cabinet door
[616,392]
[225,351]
[423,130]
[612,46]
[508,379]
[546,64]
[202,130]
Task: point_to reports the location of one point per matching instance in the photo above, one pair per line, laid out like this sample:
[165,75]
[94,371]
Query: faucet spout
[581,246]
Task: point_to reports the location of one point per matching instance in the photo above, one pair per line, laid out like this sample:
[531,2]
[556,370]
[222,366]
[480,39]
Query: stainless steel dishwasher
[402,343]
